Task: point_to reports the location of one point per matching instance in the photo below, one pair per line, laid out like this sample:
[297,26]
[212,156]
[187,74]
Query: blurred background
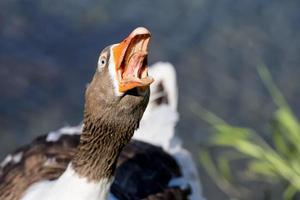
[49,50]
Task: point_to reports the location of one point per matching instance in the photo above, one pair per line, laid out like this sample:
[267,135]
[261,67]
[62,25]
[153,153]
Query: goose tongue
[135,73]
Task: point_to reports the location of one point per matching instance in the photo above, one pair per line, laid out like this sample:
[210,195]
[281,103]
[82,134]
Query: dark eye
[103,61]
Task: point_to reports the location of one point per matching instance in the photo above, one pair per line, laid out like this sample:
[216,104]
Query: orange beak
[130,58]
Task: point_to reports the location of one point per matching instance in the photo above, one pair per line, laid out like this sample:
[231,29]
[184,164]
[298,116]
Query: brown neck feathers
[101,142]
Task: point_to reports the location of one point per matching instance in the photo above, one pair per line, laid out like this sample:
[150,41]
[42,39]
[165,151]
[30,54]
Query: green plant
[277,160]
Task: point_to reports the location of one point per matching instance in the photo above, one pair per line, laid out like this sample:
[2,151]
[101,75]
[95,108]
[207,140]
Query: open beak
[130,58]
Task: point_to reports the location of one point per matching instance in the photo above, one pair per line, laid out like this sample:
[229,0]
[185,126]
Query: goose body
[147,167]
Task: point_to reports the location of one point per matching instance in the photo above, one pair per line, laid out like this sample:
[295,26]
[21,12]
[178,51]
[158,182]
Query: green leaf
[289,192]
[279,140]
[266,77]
[290,125]
[208,164]
[224,168]
[264,168]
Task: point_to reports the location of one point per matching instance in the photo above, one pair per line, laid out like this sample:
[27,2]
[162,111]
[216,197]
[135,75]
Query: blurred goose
[87,161]
[158,126]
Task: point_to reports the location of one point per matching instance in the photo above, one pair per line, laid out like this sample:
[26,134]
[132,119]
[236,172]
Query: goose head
[121,83]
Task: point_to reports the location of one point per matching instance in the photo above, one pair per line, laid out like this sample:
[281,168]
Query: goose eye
[102,62]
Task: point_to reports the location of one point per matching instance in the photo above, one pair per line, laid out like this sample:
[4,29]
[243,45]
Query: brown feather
[43,160]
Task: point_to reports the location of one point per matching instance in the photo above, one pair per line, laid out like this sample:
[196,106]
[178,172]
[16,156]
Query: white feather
[15,158]
[165,74]
[112,72]
[69,186]
[53,136]
[7,160]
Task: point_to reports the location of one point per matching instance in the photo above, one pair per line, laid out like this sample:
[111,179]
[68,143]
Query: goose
[82,163]
[157,127]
